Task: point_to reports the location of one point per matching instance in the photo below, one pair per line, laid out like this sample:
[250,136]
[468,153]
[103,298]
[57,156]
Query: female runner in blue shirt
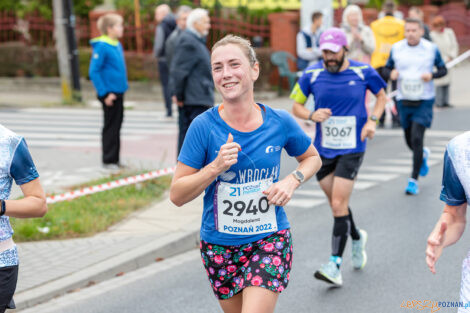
[233,153]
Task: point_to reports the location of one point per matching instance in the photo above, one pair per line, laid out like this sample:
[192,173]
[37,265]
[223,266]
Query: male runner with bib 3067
[233,153]
[339,86]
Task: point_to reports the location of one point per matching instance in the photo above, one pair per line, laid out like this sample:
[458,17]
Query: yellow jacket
[387,31]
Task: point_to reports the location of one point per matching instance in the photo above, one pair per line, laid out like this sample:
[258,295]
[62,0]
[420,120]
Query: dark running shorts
[345,166]
[265,263]
[8,279]
[421,114]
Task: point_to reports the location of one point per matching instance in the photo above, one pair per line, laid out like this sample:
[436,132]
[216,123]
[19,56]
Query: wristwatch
[310,116]
[299,176]
[373,118]
[2,207]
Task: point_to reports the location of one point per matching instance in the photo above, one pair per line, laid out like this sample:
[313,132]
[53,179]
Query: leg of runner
[233,304]
[327,186]
[354,231]
[338,191]
[414,136]
[342,189]
[259,300]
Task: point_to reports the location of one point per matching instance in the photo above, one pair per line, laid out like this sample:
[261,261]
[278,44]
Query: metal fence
[33,29]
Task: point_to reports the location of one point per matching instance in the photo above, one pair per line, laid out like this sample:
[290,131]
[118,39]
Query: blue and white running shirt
[456,178]
[411,62]
[344,93]
[258,160]
[15,163]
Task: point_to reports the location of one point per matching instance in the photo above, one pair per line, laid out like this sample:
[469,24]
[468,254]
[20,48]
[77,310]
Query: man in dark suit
[191,72]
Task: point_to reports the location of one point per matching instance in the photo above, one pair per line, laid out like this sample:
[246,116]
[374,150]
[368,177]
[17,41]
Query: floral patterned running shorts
[265,263]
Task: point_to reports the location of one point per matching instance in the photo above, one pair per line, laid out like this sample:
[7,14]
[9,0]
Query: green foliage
[148,6]
[378,3]
[44,7]
[250,14]
[21,8]
[17,59]
[91,214]
[81,8]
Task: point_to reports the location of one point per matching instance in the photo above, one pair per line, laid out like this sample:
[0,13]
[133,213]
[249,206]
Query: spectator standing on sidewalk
[170,45]
[387,31]
[190,72]
[417,13]
[166,24]
[446,41]
[361,41]
[109,76]
[15,164]
[308,51]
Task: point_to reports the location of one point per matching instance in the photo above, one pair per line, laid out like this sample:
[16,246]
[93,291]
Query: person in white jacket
[361,41]
[444,38]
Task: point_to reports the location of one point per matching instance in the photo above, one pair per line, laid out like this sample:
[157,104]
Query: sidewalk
[53,268]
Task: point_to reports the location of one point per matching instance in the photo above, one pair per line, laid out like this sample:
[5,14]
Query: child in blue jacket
[109,76]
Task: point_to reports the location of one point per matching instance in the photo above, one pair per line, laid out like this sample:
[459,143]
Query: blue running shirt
[344,93]
[259,159]
[15,164]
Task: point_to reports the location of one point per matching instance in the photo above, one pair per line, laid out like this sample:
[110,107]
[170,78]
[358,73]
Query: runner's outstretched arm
[32,205]
[447,231]
[369,128]
[379,107]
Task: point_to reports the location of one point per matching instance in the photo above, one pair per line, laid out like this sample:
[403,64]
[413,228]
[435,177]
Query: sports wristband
[2,208]
[310,116]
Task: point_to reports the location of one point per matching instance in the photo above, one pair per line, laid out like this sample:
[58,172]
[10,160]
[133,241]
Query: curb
[139,257]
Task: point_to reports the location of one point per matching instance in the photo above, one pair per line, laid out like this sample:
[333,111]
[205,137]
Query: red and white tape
[110,185]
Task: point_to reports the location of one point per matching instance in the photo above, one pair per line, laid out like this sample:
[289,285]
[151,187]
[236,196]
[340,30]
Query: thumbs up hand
[228,155]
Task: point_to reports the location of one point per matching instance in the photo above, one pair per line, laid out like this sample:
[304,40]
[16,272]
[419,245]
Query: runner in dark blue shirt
[339,87]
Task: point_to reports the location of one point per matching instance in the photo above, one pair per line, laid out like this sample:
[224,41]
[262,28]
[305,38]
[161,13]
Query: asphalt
[50,269]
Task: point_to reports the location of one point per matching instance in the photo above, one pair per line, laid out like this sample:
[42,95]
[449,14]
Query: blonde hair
[108,20]
[352,8]
[242,43]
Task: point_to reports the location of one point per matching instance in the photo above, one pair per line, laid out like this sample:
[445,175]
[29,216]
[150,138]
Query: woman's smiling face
[232,72]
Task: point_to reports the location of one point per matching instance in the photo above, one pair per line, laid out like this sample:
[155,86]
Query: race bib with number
[243,209]
[339,132]
[412,89]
